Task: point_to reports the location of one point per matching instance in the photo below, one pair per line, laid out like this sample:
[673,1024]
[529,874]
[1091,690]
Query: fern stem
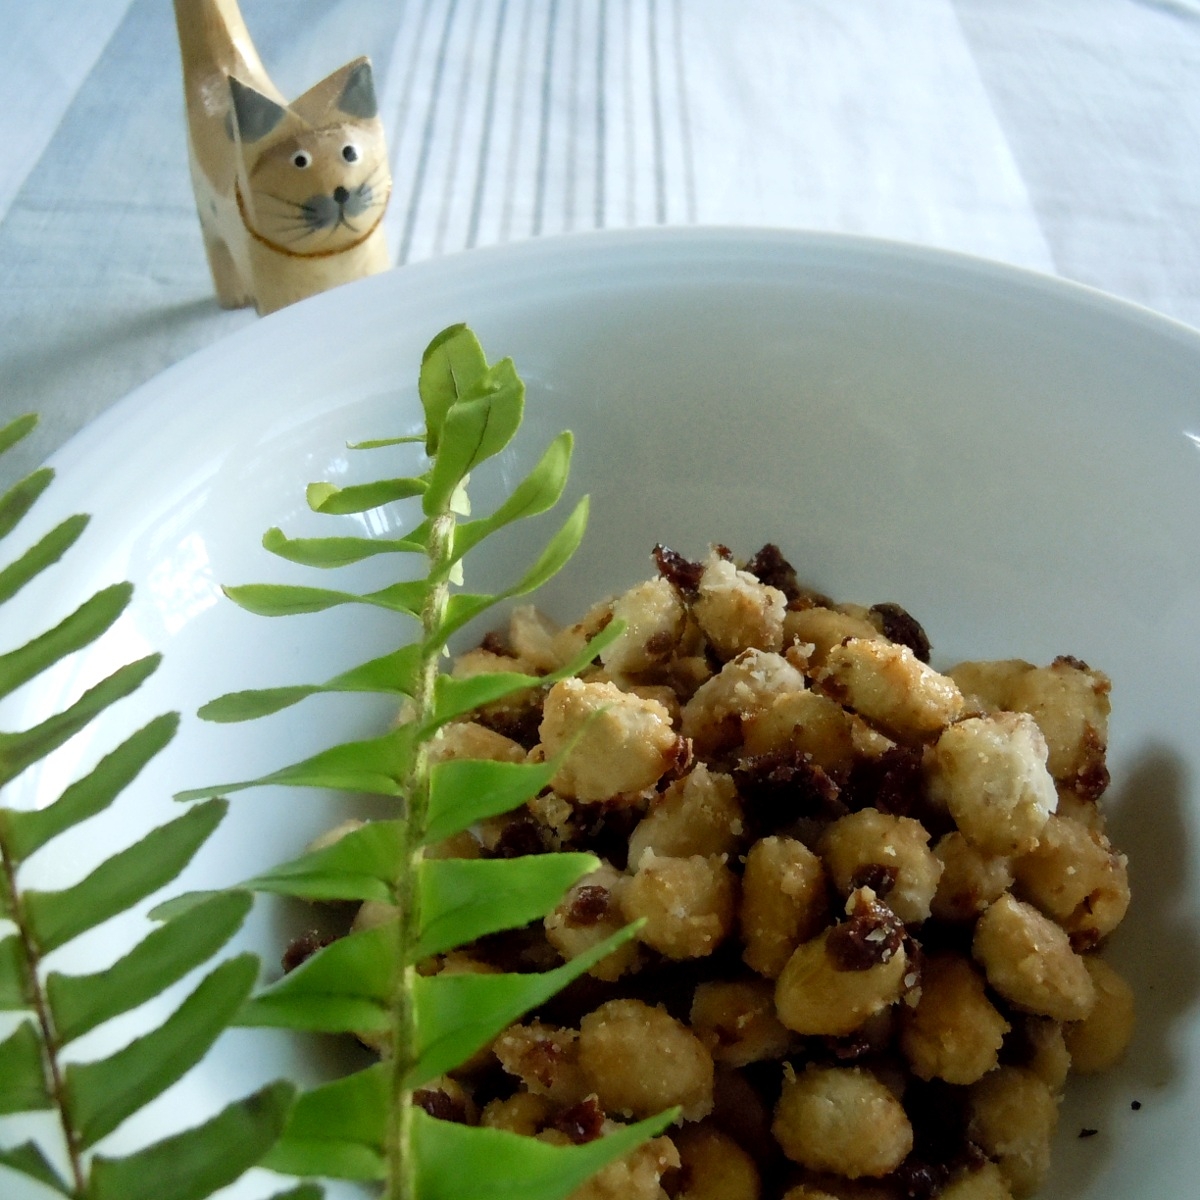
[45,1019]
[401,1184]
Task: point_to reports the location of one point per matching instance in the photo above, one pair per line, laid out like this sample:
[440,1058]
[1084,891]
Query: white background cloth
[1061,135]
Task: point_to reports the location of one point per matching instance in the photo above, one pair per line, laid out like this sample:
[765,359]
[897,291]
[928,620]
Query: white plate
[1012,458]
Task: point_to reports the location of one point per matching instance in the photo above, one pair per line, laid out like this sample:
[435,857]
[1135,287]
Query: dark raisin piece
[589,905]
[582,1122]
[521,836]
[519,721]
[891,782]
[770,567]
[848,1049]
[784,787]
[541,1060]
[494,643]
[900,626]
[941,1146]
[607,834]
[919,1180]
[871,935]
[1092,781]
[302,948]
[1083,940]
[879,877]
[659,645]
[1069,660]
[679,759]
[440,1105]
[681,573]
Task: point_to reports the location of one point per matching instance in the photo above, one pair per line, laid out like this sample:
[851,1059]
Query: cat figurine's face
[313,177]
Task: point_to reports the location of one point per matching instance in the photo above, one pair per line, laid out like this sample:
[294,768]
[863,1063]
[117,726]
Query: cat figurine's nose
[341,195]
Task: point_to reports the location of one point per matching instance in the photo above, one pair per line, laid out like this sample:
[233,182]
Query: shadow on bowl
[1158,950]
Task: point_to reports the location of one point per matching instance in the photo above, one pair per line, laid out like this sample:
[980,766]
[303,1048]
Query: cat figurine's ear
[349,92]
[252,114]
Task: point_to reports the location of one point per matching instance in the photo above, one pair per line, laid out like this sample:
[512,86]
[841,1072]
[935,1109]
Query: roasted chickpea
[1100,1040]
[823,628]
[736,612]
[545,1059]
[736,1020]
[888,685]
[654,618]
[715,1167]
[822,1113]
[689,904]
[526,1113]
[871,844]
[590,913]
[1029,961]
[971,878]
[698,814]
[835,982]
[985,1182]
[954,1032]
[625,743]
[637,1176]
[1013,1115]
[807,723]
[1070,703]
[1076,878]
[639,1061]
[783,902]
[990,774]
[744,687]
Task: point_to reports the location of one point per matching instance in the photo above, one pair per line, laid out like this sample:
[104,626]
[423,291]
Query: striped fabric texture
[1055,134]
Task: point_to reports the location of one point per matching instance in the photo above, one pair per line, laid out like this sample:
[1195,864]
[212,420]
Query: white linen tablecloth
[1061,135]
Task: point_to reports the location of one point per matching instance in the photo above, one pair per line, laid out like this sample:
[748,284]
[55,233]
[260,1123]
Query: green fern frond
[54,1009]
[367,1126]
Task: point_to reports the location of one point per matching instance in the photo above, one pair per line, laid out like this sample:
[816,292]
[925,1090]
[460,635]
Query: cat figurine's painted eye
[350,152]
[301,159]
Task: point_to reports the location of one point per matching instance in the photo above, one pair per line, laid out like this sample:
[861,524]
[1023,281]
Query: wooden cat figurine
[291,196]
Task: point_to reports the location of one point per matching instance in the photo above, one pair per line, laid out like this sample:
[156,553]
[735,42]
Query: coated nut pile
[873,895]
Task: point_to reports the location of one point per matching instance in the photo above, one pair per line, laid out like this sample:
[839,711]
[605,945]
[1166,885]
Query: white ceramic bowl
[1012,458]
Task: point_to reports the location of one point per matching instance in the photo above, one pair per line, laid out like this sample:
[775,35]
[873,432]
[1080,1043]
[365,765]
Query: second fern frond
[375,981]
